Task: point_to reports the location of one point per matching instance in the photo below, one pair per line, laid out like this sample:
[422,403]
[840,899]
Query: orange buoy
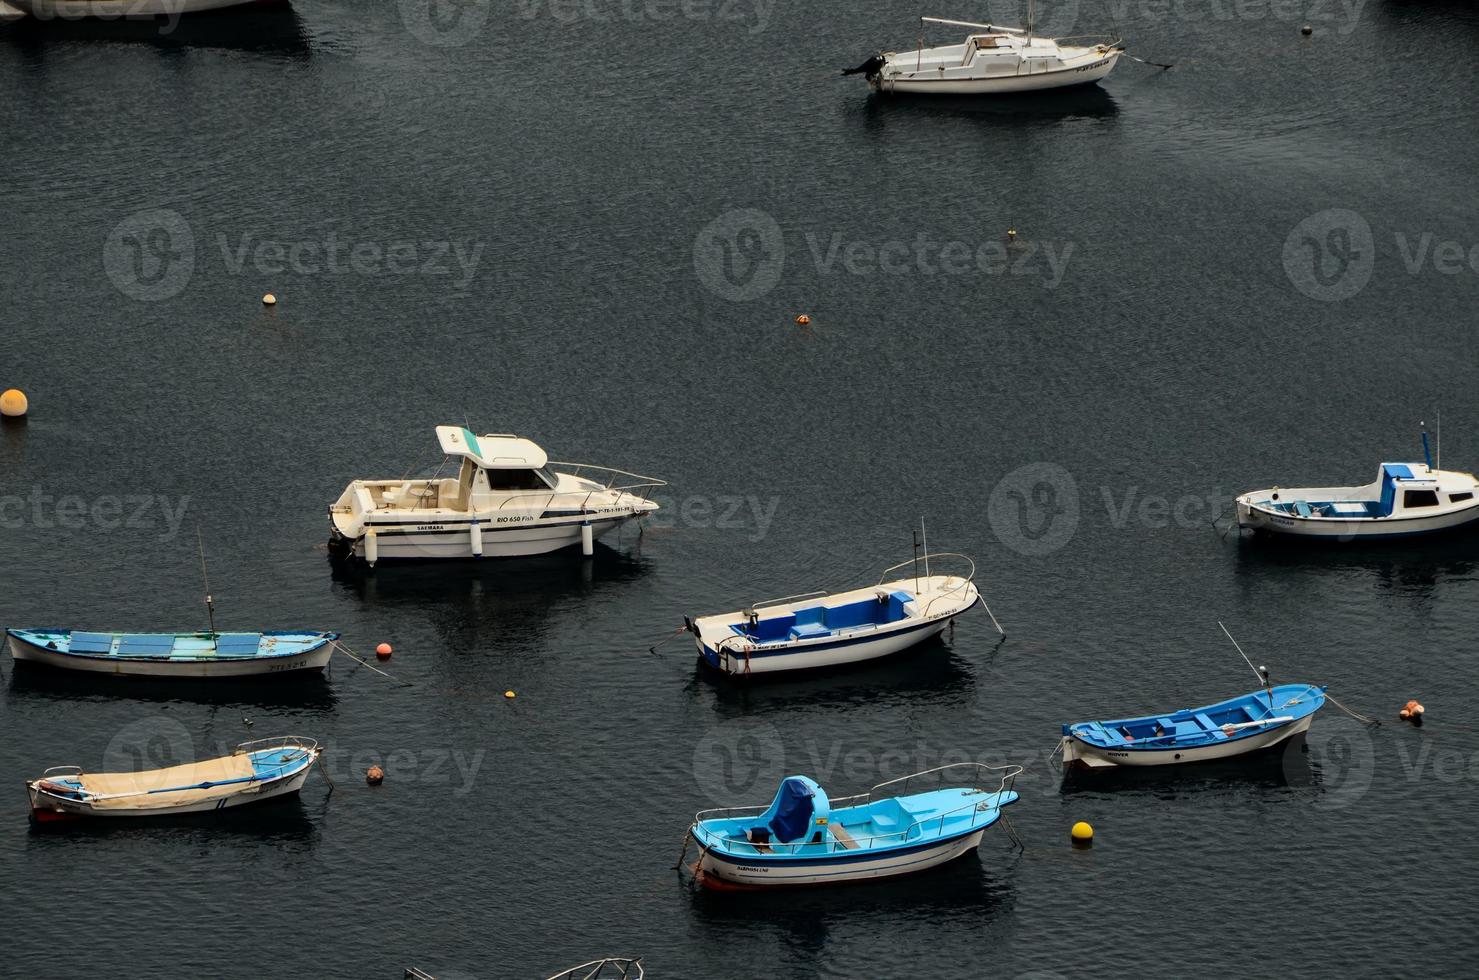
[383,651]
[509,694]
[803,319]
[374,775]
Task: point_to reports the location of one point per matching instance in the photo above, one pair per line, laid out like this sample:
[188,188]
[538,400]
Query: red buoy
[383,651]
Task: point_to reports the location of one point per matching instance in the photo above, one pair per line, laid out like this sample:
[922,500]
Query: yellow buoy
[269,300]
[13,404]
[508,694]
[1082,833]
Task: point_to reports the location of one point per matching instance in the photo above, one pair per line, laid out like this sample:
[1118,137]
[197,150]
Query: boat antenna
[916,562]
[1031,17]
[925,535]
[1260,671]
[1438,441]
[210,605]
[1427,456]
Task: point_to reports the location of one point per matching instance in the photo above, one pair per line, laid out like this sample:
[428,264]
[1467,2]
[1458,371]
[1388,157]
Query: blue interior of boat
[1391,473]
[808,622]
[1202,725]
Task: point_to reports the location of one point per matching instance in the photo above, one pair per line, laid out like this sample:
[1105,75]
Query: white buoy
[587,540]
[477,539]
[372,547]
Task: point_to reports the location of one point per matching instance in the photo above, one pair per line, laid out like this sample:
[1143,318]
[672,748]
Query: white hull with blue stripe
[1238,726]
[174,655]
[1406,500]
[254,773]
[900,827]
[828,629]
[507,500]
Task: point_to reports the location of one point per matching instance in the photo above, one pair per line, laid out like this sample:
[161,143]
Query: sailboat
[993,60]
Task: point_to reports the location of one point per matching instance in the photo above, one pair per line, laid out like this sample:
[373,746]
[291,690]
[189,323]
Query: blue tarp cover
[793,811]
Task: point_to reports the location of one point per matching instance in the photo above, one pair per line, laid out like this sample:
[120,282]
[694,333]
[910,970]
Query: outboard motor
[868,68]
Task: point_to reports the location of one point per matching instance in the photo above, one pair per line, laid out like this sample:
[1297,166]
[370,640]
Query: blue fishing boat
[898,827]
[178,655]
[1247,723]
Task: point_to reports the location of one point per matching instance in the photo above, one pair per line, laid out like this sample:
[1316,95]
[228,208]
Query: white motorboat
[822,629]
[1405,500]
[120,9]
[992,61]
[507,500]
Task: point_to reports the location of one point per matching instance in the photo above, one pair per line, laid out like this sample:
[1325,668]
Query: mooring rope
[1359,717]
[345,650]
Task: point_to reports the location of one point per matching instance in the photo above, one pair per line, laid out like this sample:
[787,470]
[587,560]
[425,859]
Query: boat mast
[916,563]
[1260,672]
[210,606]
[1031,16]
[925,534]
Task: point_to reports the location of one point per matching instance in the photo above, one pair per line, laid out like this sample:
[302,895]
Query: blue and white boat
[257,771]
[1405,500]
[180,655]
[821,629]
[1247,723]
[898,827]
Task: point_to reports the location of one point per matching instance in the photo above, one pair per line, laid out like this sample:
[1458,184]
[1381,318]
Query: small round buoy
[508,694]
[803,319]
[1306,30]
[1011,234]
[1082,833]
[13,404]
[269,300]
[383,651]
[374,775]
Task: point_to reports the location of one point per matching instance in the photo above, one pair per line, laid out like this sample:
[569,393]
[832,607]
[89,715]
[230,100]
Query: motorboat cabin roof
[493,452]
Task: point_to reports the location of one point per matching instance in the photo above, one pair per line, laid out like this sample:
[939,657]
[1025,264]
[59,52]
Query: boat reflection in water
[270,30]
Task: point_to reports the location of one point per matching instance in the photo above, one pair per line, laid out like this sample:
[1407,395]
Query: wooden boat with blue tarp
[898,827]
[182,655]
[255,772]
[1247,723]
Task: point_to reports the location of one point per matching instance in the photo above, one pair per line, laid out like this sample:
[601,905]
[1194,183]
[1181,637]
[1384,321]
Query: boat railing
[617,481]
[610,968]
[280,742]
[952,590]
[765,603]
[62,771]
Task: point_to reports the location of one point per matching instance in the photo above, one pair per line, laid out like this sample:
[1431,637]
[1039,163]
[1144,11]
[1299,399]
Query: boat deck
[177,647]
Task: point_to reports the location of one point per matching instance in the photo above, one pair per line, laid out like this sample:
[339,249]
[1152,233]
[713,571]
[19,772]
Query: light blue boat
[187,655]
[1247,723]
[898,827]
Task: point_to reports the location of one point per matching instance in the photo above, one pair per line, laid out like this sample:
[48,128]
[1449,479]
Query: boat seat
[840,834]
[806,631]
[1302,508]
[91,642]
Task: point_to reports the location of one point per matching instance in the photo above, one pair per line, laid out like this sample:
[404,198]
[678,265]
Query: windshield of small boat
[519,479]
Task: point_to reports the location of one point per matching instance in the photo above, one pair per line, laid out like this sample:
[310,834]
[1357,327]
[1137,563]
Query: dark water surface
[1074,427]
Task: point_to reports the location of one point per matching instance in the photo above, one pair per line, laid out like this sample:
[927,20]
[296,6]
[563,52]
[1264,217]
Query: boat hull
[1363,528]
[814,654]
[1079,753]
[782,873]
[1088,74]
[406,542]
[312,660]
[46,808]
